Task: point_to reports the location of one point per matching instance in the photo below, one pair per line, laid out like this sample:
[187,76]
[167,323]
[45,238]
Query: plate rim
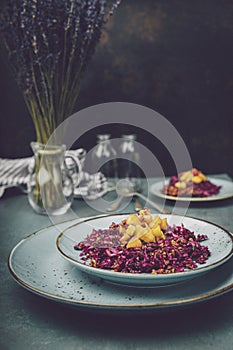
[82,303]
[191,199]
[131,276]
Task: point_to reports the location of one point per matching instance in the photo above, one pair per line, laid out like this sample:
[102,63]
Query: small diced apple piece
[139,230]
[196,179]
[180,184]
[148,237]
[130,230]
[202,176]
[163,224]
[122,229]
[134,243]
[157,221]
[158,233]
[186,176]
[124,238]
[133,220]
[148,218]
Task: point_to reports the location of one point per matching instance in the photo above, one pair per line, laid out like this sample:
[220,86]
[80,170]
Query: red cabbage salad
[143,244]
[192,183]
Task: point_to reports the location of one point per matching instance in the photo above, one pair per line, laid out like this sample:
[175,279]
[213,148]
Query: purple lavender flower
[50,43]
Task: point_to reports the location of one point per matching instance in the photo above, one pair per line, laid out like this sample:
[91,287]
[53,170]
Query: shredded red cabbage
[180,250]
[202,189]
[206,189]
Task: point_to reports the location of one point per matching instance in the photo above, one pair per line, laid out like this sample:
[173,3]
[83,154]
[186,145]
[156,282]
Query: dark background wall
[174,56]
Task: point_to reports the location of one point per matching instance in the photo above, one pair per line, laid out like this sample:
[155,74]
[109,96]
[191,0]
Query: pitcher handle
[78,165]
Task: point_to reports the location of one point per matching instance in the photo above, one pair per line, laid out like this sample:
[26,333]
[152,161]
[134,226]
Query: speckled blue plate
[219,242]
[37,266]
[226,191]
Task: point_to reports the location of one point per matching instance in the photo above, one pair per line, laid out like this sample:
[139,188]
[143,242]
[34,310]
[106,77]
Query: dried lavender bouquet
[50,43]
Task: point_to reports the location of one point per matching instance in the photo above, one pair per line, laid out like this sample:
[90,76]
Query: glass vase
[50,187]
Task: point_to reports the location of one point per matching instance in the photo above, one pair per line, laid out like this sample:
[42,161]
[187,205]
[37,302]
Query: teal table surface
[31,322]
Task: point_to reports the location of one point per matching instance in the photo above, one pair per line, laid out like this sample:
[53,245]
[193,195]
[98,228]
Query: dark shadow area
[198,318]
[174,57]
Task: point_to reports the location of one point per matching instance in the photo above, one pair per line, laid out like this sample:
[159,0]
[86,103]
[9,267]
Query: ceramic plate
[225,192]
[37,266]
[219,242]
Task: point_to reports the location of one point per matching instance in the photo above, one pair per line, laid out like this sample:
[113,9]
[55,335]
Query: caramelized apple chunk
[142,227]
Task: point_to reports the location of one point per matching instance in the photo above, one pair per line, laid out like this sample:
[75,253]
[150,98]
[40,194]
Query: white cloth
[16,173]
